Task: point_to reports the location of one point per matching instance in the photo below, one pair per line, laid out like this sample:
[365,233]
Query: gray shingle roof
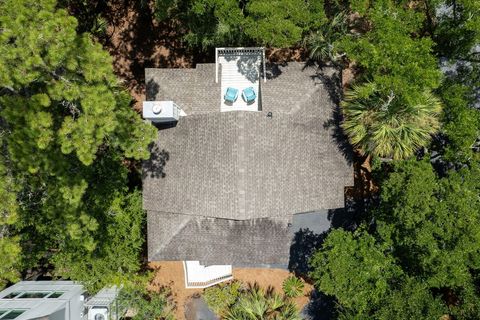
[194,90]
[218,241]
[240,166]
[228,177]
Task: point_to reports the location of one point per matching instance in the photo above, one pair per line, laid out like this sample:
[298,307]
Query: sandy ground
[136,41]
[170,273]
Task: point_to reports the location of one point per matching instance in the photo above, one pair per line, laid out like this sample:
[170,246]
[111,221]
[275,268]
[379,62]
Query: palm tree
[322,43]
[293,287]
[257,304]
[385,126]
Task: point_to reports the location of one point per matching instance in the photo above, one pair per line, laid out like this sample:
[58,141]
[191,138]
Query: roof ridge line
[194,216]
[241,165]
[180,228]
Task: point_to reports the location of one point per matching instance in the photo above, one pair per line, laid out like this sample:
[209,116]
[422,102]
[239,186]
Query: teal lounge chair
[231,95]
[249,95]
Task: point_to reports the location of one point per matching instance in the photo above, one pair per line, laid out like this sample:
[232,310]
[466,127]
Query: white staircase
[199,276]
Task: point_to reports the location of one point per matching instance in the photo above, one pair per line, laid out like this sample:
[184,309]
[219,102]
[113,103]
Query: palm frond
[382,125]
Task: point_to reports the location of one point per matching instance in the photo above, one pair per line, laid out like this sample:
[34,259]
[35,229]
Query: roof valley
[222,187]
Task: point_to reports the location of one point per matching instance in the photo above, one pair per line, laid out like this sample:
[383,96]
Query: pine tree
[67,128]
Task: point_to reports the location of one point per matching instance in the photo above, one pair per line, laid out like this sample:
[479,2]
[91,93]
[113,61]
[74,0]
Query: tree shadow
[152,90]
[248,66]
[136,41]
[304,244]
[272,70]
[332,83]
[309,234]
[155,166]
[320,307]
[345,218]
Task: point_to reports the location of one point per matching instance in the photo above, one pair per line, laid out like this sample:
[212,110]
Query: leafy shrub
[220,297]
[146,304]
[256,303]
[234,301]
[323,43]
[293,287]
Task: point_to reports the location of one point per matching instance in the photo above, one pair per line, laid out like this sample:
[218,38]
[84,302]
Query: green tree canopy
[62,90]
[433,223]
[210,23]
[355,269]
[456,27]
[460,119]
[281,23]
[391,58]
[461,123]
[118,247]
[9,246]
[391,111]
[428,231]
[386,127]
[67,129]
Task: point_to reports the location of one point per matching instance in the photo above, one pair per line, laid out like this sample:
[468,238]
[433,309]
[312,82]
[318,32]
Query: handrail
[216,65]
[241,51]
[203,284]
[210,282]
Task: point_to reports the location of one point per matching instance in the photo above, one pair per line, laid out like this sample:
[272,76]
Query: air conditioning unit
[105,306]
[98,313]
[161,111]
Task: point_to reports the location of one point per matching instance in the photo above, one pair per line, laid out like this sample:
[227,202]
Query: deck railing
[242,51]
[208,283]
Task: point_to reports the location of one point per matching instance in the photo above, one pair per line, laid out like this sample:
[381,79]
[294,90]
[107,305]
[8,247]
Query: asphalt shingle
[222,187]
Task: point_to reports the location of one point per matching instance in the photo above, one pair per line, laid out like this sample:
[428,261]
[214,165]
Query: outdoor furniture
[231,95]
[249,95]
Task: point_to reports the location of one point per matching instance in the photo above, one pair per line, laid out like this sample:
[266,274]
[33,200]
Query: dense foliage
[324,44]
[455,27]
[220,297]
[69,140]
[9,242]
[384,126]
[391,111]
[461,122]
[224,23]
[425,245]
[234,301]
[416,253]
[390,57]
[66,129]
[145,304]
